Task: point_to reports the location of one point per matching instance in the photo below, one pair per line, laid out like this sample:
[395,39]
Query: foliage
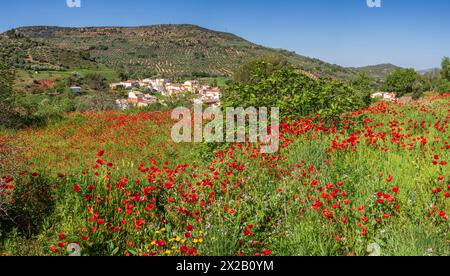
[124,188]
[96,81]
[403,81]
[445,71]
[363,88]
[98,101]
[171,50]
[7,77]
[263,66]
[19,51]
[294,93]
[377,72]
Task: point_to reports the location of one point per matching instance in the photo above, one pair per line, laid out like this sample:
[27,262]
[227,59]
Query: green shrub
[294,93]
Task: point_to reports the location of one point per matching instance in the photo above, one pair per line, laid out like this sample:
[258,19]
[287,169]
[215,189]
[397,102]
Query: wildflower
[161,243]
[267,252]
[62,236]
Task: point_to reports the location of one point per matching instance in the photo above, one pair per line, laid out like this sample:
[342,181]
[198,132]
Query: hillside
[21,52]
[170,50]
[378,72]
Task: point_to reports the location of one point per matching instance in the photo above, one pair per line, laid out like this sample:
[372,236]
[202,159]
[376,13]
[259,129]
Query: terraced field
[181,50]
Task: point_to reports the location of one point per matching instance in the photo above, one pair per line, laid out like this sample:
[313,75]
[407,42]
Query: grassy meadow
[376,183]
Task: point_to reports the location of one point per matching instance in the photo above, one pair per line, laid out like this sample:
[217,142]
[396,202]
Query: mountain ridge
[170,49]
[173,50]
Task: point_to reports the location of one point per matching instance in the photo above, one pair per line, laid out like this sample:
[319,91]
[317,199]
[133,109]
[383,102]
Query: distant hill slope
[378,72]
[171,50]
[22,52]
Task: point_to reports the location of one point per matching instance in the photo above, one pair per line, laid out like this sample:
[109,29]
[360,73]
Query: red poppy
[390,178]
[62,236]
[395,190]
[100,153]
[76,188]
[267,252]
[161,243]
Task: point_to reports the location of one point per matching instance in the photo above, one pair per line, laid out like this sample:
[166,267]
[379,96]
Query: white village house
[129,84]
[384,96]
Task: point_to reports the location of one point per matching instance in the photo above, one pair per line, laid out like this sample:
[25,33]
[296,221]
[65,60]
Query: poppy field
[374,182]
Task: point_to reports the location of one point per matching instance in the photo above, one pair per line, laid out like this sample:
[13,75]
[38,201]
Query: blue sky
[409,33]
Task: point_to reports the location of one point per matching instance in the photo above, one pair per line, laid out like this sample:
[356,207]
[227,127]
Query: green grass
[239,190]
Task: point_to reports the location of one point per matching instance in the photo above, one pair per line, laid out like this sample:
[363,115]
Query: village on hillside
[142,92]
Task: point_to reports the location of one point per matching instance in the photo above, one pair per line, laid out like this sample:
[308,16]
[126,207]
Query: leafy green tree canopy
[403,81]
[363,87]
[445,71]
[262,66]
[7,76]
[293,92]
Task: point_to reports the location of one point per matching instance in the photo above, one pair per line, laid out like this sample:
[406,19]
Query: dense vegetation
[351,178]
[170,50]
[114,183]
[295,93]
[404,81]
[19,51]
[377,72]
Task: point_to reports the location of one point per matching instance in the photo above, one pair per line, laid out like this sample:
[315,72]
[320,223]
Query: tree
[96,81]
[214,83]
[431,81]
[262,66]
[294,93]
[403,81]
[363,87]
[7,77]
[445,71]
[75,80]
